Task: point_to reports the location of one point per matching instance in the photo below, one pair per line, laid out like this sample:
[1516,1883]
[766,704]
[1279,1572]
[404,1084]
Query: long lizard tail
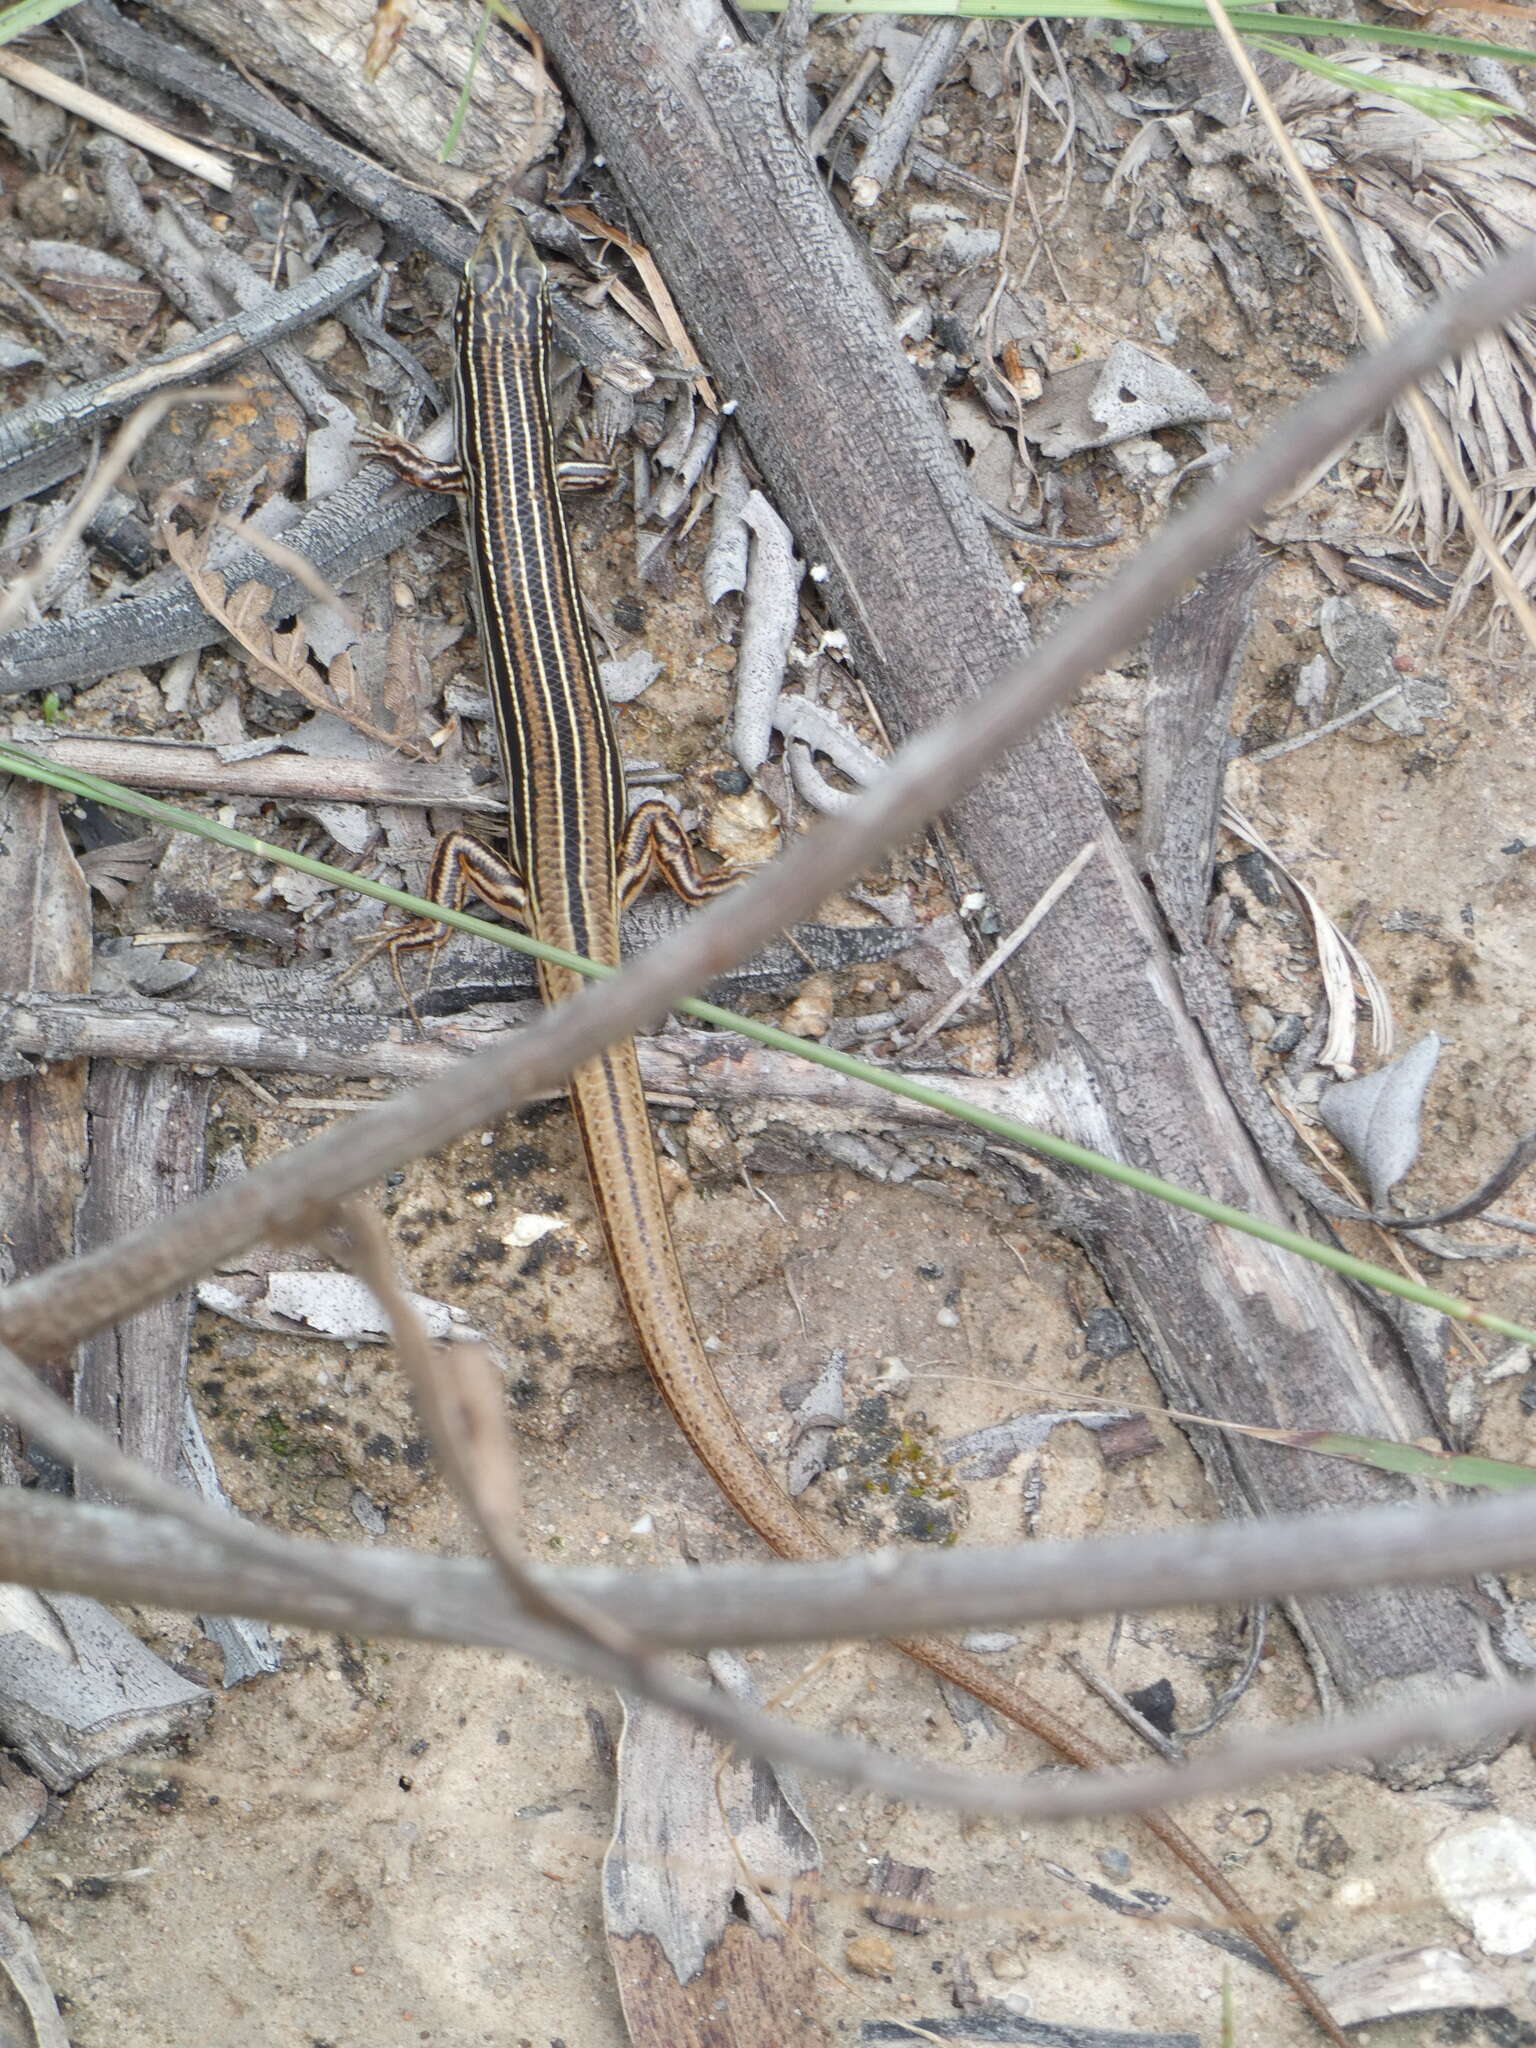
[621,1159]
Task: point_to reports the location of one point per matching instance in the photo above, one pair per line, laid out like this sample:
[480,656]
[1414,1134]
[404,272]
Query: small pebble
[870,1955]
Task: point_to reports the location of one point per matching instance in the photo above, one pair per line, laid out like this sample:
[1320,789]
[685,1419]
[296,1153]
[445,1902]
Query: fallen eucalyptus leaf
[1376,1119]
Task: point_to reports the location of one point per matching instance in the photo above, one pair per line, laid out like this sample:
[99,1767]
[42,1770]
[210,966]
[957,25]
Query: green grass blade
[1412,1461]
[27,14]
[1455,105]
[1173,14]
[75,782]
[461,106]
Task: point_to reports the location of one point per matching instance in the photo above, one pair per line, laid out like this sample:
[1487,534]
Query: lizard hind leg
[655,848]
[462,866]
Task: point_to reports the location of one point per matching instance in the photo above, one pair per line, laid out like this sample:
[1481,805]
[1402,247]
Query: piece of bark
[789,321]
[29,2015]
[23,1802]
[147,1128]
[700,1962]
[1392,1982]
[1193,657]
[76,1689]
[249,1648]
[316,53]
[895,1880]
[45,943]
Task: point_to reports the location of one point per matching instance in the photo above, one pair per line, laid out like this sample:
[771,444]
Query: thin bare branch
[191,1562]
[50,1543]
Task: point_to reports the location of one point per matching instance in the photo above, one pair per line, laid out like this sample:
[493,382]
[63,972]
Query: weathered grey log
[789,320]
[45,942]
[147,1126]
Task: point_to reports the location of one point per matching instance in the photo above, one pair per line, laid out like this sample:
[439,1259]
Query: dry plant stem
[118,1553]
[1348,270]
[129,440]
[46,1313]
[149,135]
[280,778]
[1003,952]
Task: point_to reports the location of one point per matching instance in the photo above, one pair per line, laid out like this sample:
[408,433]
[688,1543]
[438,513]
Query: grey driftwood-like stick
[788,318]
[147,1128]
[55,427]
[276,777]
[132,1555]
[359,1045]
[893,130]
[45,940]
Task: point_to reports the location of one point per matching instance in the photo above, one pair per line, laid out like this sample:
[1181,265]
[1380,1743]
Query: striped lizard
[577,859]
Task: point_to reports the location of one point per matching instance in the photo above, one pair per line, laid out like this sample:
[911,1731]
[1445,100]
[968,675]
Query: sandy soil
[389,1844]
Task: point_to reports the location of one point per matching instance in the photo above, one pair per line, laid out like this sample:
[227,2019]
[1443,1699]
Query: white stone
[1486,1876]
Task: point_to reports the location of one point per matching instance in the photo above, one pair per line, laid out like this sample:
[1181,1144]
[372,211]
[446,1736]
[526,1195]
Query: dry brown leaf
[282,655]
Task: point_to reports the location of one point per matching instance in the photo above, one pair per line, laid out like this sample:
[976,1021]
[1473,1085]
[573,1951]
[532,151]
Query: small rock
[1486,1876]
[1141,460]
[743,830]
[989,1642]
[1106,1333]
[963,248]
[809,1015]
[1323,1848]
[869,1955]
[1155,1703]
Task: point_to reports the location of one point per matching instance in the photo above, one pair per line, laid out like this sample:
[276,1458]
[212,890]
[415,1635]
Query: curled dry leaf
[1376,1119]
[243,614]
[1340,959]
